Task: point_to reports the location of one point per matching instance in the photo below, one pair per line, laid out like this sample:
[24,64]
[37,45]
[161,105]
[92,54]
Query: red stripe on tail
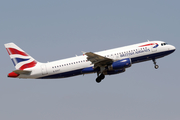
[8,51]
[15,51]
[28,65]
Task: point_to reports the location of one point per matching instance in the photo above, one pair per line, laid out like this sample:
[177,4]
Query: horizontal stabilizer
[22,71]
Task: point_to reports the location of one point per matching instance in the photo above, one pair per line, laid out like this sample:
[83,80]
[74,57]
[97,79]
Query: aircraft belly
[150,56]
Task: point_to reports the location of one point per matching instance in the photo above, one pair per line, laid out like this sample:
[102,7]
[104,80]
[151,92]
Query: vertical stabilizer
[20,58]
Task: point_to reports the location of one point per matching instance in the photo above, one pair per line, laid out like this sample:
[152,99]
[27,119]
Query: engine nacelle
[120,64]
[112,72]
[88,70]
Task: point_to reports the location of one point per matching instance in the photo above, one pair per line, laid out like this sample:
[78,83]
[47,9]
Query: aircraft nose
[172,48]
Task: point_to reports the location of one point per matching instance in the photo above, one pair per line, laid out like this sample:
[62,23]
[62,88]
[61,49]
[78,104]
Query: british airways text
[133,52]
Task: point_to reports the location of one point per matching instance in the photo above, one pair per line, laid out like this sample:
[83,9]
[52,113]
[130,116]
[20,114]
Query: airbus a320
[108,62]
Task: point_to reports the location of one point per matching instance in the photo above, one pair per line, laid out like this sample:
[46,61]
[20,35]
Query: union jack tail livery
[20,59]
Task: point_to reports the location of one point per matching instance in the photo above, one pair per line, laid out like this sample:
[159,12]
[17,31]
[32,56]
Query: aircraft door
[43,69]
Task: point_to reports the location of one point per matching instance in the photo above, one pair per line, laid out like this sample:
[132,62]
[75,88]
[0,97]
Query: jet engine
[120,64]
[112,72]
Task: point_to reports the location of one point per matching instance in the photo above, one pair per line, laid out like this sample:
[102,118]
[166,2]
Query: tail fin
[20,58]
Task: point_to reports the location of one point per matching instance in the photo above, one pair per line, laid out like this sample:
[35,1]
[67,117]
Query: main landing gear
[155,66]
[99,78]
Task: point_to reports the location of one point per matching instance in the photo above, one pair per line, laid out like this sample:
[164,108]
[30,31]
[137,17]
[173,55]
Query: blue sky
[52,30]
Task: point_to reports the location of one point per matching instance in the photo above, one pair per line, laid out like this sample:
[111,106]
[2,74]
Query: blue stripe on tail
[18,60]
[13,62]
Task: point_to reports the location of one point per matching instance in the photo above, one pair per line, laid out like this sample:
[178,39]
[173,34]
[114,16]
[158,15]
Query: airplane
[108,62]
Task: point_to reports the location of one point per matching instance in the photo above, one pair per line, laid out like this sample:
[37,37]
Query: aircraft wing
[98,60]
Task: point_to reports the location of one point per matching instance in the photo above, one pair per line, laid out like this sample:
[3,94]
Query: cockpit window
[163,44]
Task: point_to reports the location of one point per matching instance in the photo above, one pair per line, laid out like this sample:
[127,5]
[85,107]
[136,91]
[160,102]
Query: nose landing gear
[155,65]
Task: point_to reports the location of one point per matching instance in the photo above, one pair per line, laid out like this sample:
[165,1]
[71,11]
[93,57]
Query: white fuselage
[74,65]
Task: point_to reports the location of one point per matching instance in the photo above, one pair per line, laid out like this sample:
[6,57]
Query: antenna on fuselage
[147,40]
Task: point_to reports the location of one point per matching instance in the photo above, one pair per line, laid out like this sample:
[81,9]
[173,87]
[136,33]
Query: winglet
[83,53]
